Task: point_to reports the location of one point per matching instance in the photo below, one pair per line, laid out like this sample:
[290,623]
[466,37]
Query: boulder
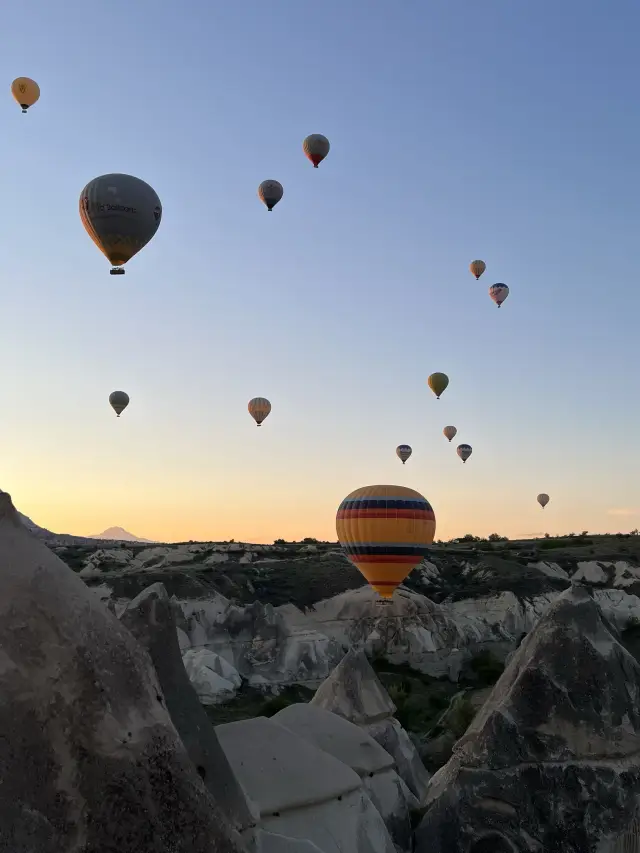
[89,758]
[552,761]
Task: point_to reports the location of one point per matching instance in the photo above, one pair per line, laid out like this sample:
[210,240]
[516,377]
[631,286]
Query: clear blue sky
[500,130]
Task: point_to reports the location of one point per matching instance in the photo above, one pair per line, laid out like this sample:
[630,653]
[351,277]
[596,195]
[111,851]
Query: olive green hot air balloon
[119,401]
[26,92]
[477,268]
[270,192]
[316,147]
[450,432]
[121,214]
[543,499]
[259,408]
[438,382]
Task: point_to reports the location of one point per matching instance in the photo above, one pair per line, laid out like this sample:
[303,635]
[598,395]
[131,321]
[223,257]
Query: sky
[496,130]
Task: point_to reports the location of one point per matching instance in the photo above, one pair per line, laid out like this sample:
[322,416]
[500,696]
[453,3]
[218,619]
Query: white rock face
[302,793]
[274,646]
[355,692]
[213,678]
[353,746]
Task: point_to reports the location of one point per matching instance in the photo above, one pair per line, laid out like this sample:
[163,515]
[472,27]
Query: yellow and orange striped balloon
[385,531]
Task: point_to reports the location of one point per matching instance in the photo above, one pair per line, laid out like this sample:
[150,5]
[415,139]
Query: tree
[279,542]
[495,537]
[309,540]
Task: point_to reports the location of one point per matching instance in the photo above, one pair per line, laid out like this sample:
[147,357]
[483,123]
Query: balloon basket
[117,271]
[384,602]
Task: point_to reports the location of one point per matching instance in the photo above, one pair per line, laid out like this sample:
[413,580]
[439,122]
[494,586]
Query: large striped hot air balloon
[385,531]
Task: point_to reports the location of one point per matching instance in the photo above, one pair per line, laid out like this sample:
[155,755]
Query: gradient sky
[501,130]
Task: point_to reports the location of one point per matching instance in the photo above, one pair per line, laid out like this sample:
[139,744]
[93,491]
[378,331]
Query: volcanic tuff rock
[354,691]
[552,761]
[150,618]
[302,792]
[353,746]
[89,756]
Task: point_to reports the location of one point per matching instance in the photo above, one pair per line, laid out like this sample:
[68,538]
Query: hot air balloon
[438,382]
[403,451]
[121,214]
[385,531]
[119,401]
[270,193]
[477,268]
[449,432]
[464,451]
[259,408]
[316,147]
[26,92]
[543,499]
[498,292]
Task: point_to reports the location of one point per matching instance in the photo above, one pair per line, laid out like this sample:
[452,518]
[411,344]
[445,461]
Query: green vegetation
[249,703]
[487,668]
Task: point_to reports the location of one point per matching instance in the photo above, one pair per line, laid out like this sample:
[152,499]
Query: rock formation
[150,618]
[355,692]
[89,758]
[357,749]
[552,761]
[303,793]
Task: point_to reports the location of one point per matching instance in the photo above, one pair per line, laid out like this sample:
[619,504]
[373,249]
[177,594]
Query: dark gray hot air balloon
[121,214]
[119,401]
[270,192]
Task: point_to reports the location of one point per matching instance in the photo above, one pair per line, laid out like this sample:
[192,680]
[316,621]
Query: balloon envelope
[119,401]
[543,499]
[464,451]
[26,92]
[270,192]
[316,147]
[438,382]
[449,432]
[259,408]
[121,214]
[498,292]
[403,451]
[477,268]
[385,531]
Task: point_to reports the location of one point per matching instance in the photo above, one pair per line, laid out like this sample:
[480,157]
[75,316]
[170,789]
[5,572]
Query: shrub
[487,668]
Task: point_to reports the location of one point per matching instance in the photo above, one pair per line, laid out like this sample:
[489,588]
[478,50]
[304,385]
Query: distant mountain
[119,534]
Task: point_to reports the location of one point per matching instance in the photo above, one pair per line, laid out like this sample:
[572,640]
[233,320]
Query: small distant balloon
[119,401]
[498,292]
[316,147]
[270,192]
[259,408]
[464,451]
[121,214]
[438,382]
[26,92]
[403,451]
[385,531]
[477,268]
[543,499]
[450,432]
